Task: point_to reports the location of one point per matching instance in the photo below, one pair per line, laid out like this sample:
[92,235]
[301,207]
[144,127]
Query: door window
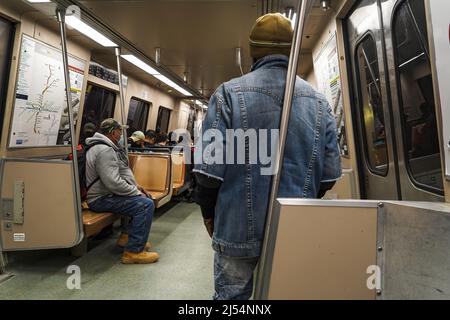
[371,106]
[416,98]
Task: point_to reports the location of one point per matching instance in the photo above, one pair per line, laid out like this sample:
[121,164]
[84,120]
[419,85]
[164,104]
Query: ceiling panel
[197,38]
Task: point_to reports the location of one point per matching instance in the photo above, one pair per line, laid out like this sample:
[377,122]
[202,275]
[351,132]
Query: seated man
[112,188]
[137,140]
[150,138]
[161,140]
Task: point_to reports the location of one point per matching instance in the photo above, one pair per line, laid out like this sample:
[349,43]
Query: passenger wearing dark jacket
[115,190]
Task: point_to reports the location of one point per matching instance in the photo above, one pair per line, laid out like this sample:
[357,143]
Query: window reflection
[416,96]
[137,116]
[98,106]
[371,106]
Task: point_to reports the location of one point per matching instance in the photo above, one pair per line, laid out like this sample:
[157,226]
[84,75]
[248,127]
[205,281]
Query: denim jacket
[251,103]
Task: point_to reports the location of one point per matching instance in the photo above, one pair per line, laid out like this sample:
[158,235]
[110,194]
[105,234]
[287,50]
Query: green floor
[185,269]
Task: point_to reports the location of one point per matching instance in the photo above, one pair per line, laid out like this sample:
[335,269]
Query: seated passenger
[114,189]
[161,140]
[87,132]
[137,140]
[173,139]
[425,139]
[150,138]
[234,197]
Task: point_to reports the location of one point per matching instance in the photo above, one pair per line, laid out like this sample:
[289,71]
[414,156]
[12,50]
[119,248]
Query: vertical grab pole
[122,98]
[302,11]
[62,28]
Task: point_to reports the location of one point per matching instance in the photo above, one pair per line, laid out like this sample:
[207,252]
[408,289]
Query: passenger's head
[138,137]
[112,129]
[88,131]
[150,136]
[161,139]
[425,109]
[172,137]
[271,34]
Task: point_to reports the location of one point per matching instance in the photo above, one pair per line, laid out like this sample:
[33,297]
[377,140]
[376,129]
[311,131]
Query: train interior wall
[136,88]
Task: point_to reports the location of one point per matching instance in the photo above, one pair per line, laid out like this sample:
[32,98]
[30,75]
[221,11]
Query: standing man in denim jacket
[233,188]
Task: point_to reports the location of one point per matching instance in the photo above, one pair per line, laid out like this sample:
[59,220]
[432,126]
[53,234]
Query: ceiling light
[200,104]
[172,84]
[139,63]
[38,1]
[294,18]
[325,4]
[145,67]
[82,27]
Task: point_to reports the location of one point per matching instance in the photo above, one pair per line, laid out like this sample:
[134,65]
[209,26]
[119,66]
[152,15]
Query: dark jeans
[138,208]
[233,277]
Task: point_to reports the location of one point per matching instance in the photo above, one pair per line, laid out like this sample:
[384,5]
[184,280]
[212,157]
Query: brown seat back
[151,172]
[178,169]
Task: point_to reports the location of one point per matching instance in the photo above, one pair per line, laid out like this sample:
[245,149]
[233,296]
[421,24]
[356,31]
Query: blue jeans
[233,277]
[138,208]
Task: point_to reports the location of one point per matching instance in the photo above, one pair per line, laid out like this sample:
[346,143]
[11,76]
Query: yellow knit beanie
[271,34]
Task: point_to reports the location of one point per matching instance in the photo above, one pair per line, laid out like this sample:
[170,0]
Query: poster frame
[13,105]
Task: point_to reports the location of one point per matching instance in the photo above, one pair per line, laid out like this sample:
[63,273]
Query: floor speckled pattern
[185,269]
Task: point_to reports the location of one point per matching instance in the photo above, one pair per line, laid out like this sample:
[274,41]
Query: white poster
[440,17]
[326,68]
[40,109]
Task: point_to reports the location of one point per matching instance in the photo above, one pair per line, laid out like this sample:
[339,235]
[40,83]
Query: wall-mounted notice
[40,110]
[440,17]
[326,69]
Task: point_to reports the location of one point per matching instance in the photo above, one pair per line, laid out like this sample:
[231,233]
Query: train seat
[154,173]
[178,172]
[93,223]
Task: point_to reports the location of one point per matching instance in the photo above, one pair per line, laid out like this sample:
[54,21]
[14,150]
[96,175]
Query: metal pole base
[3,274]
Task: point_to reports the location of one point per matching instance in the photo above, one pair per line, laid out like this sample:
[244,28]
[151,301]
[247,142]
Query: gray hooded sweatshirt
[110,163]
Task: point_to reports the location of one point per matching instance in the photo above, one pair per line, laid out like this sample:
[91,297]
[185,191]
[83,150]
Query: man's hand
[209,224]
[144,192]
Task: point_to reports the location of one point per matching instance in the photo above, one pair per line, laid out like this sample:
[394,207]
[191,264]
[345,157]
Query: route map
[40,95]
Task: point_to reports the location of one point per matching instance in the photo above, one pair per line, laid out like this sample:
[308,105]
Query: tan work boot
[123,240]
[141,257]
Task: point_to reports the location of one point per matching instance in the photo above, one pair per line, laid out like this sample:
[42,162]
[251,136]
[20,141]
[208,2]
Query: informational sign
[40,115]
[440,19]
[326,69]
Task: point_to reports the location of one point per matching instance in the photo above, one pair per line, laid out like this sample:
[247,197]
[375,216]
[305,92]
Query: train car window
[162,123]
[191,122]
[371,106]
[99,105]
[6,35]
[137,115]
[416,96]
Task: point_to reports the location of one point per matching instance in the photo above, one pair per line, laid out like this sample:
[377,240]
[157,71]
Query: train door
[410,78]
[394,104]
[371,105]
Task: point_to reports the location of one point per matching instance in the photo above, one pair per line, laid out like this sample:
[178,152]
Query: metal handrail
[302,12]
[122,100]
[62,28]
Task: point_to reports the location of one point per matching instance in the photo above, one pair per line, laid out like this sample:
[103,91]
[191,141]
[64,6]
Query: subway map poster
[40,108]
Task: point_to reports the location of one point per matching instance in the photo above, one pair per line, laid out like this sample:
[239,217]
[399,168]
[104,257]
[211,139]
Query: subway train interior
[382,232]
